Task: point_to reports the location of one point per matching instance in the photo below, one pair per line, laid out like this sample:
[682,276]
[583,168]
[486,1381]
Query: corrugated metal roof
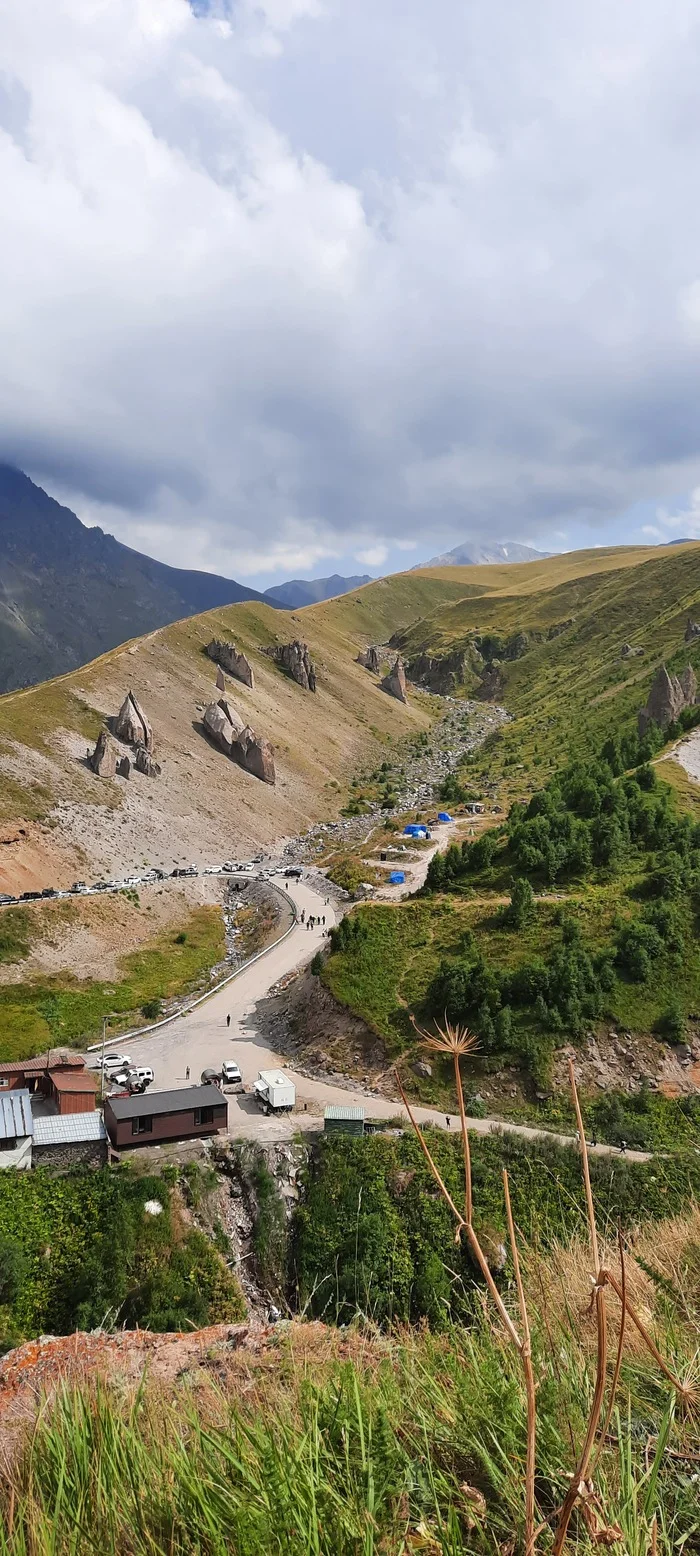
[336,1113]
[41,1062]
[69,1129]
[153,1103]
[16,1120]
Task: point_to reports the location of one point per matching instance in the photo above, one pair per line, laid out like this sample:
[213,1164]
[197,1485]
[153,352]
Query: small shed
[16,1130]
[184,1114]
[444,815]
[73,1091]
[72,1140]
[344,1121]
[396,878]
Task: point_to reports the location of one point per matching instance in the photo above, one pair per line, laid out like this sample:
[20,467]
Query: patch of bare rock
[132,728]
[233,661]
[295,659]
[238,741]
[668,696]
[395,682]
[369,659]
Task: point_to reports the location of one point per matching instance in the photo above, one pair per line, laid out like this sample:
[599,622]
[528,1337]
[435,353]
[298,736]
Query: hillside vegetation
[312,1441]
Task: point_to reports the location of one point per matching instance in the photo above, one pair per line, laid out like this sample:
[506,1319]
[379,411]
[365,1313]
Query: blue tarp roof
[414,829]
[396,878]
[444,815]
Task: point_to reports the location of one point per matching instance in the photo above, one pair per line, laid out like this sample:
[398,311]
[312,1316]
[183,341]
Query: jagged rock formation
[145,763]
[226,728]
[395,682]
[229,658]
[219,727]
[104,757]
[220,680]
[692,630]
[131,724]
[124,767]
[668,696]
[369,659]
[254,754]
[628,652]
[296,660]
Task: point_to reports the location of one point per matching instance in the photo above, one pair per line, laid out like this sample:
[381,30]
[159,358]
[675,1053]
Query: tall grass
[415,1443]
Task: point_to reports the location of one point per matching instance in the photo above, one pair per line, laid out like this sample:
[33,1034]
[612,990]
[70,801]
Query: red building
[58,1076]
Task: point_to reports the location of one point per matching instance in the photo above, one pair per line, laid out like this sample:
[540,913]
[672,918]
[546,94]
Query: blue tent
[397,878]
[444,815]
[414,829]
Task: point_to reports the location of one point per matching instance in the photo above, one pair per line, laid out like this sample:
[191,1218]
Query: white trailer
[274,1092]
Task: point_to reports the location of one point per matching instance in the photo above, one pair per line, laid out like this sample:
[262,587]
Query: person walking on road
[447,1120]
[228,1021]
[187,1073]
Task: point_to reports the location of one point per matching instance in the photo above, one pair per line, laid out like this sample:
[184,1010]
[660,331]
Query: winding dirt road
[201,1039]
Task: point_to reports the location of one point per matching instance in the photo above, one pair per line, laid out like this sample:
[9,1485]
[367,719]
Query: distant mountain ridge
[312,591]
[69,593]
[472,554]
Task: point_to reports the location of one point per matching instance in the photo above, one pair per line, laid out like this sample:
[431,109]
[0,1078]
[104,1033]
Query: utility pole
[105,1019]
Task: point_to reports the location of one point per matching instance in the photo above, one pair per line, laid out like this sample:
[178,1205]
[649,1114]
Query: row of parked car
[81,889]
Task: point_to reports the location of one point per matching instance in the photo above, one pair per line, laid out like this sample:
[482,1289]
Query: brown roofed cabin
[165,1115]
[59,1076]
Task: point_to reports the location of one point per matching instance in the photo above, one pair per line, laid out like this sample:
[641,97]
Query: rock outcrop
[104,757]
[124,767]
[219,727]
[229,658]
[692,630]
[220,680]
[237,740]
[369,659]
[395,682]
[131,724]
[628,652]
[145,763]
[668,696]
[296,660]
[254,754]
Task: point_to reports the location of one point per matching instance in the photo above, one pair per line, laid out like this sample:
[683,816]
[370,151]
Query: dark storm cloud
[290,280]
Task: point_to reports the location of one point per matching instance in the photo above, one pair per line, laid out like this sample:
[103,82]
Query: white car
[144,1074]
[231,1074]
[116,1062]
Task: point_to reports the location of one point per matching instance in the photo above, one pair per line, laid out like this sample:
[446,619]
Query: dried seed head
[450,1039]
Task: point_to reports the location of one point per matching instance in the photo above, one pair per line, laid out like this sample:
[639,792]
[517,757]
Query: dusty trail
[201,1039]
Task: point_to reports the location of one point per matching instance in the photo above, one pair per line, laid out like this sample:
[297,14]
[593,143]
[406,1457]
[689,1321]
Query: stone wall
[81,1153]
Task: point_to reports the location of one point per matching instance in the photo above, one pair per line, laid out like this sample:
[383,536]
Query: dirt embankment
[302,1019]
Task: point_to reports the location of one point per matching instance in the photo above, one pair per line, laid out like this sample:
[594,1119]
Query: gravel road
[201,1039]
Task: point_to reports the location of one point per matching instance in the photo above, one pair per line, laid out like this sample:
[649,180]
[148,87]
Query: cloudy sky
[303,285]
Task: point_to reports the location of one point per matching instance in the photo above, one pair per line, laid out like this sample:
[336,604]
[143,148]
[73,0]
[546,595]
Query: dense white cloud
[286,281]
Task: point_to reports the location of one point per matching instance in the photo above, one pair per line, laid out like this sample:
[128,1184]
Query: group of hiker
[314,919]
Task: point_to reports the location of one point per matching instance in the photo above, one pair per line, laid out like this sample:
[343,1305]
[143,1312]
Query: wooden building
[157,1116]
[59,1077]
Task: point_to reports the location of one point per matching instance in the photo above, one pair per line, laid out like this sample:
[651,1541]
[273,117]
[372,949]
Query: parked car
[79,886]
[5,897]
[144,1074]
[101,886]
[231,1074]
[116,1062]
[294,872]
[30,896]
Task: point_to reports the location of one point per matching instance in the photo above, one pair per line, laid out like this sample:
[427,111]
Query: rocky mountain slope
[472,554]
[203,805]
[68,592]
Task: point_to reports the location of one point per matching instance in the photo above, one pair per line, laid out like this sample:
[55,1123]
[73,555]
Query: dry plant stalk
[457,1041]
